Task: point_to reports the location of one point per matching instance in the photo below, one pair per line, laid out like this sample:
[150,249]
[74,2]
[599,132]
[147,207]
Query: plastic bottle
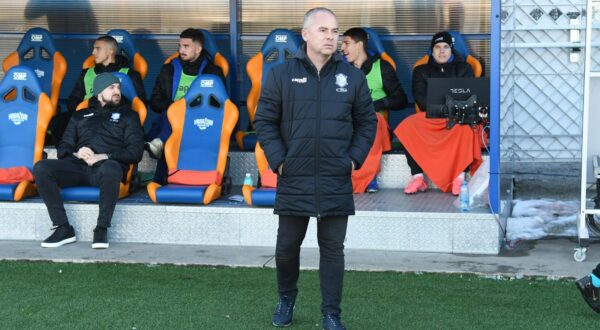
[248,180]
[464,197]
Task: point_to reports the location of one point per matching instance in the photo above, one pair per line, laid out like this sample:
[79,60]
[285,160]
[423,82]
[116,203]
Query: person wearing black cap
[431,148]
[98,146]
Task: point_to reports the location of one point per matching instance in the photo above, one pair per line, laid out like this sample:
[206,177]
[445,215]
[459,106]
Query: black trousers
[414,167]
[53,174]
[331,232]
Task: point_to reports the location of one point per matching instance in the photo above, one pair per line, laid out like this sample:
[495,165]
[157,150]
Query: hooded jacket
[316,124]
[78,92]
[112,130]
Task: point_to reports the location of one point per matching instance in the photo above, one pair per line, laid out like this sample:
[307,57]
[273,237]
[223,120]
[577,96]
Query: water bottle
[464,197]
[248,180]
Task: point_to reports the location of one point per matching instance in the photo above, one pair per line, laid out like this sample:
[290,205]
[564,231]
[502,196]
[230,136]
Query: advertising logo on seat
[119,39]
[19,75]
[39,73]
[37,37]
[203,123]
[207,83]
[281,38]
[17,117]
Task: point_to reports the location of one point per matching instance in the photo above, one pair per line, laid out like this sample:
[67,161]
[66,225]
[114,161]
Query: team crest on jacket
[341,80]
[114,117]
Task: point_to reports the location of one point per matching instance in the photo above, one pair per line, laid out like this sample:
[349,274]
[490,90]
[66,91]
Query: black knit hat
[104,80]
[442,37]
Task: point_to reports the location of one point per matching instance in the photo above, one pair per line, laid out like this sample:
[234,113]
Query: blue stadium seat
[92,194]
[196,152]
[37,51]
[24,119]
[280,42]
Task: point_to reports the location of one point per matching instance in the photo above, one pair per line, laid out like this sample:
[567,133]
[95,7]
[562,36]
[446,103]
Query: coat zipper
[318,149]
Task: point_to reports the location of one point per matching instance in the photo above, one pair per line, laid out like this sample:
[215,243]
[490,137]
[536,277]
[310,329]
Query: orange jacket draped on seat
[372,165]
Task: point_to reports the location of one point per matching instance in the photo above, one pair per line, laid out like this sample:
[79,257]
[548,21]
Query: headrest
[18,78]
[127,88]
[460,44]
[36,38]
[374,45]
[125,42]
[281,40]
[210,45]
[206,86]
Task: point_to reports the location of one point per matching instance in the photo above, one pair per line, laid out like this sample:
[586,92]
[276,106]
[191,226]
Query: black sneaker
[332,322]
[100,238]
[62,235]
[589,292]
[284,312]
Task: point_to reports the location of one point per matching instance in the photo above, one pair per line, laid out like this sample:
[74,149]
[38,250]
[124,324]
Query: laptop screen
[459,89]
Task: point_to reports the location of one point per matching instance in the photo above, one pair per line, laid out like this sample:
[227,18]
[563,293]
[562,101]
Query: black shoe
[62,235]
[589,292]
[333,322]
[284,312]
[100,238]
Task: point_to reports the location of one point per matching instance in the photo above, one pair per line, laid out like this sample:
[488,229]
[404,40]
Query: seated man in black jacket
[97,148]
[107,60]
[172,83]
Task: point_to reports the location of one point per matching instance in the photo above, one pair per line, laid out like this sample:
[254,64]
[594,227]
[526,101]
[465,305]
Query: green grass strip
[45,295]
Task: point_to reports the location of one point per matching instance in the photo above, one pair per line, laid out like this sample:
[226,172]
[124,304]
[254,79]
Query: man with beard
[98,146]
[172,83]
[107,60]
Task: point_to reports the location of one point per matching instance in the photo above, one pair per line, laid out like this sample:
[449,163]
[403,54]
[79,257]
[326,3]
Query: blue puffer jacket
[315,124]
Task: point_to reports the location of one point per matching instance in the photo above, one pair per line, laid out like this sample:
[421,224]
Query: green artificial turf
[45,295]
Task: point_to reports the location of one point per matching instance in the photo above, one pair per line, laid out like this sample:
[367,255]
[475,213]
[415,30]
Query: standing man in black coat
[316,123]
[97,148]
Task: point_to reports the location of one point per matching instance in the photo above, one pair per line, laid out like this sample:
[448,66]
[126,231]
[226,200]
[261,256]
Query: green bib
[375,82]
[88,81]
[184,84]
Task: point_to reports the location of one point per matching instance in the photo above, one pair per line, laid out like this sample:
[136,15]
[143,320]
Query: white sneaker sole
[99,245]
[61,243]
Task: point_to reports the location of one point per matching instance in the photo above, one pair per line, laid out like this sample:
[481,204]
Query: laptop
[459,88]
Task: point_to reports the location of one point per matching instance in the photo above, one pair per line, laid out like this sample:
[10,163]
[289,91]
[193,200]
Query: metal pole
[494,190]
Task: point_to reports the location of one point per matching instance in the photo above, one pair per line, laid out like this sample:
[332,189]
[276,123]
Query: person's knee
[40,168]
[111,169]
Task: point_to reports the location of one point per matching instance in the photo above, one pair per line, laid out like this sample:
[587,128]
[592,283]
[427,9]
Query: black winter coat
[115,131]
[78,92]
[455,69]
[162,92]
[315,124]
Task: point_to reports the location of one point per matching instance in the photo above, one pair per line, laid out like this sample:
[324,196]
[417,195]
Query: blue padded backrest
[38,39]
[374,44]
[127,88]
[18,117]
[460,45]
[125,42]
[210,45]
[282,41]
[201,139]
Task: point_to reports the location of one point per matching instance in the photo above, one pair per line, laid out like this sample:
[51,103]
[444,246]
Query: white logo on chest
[341,80]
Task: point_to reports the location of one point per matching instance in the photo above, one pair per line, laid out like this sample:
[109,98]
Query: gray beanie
[104,80]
